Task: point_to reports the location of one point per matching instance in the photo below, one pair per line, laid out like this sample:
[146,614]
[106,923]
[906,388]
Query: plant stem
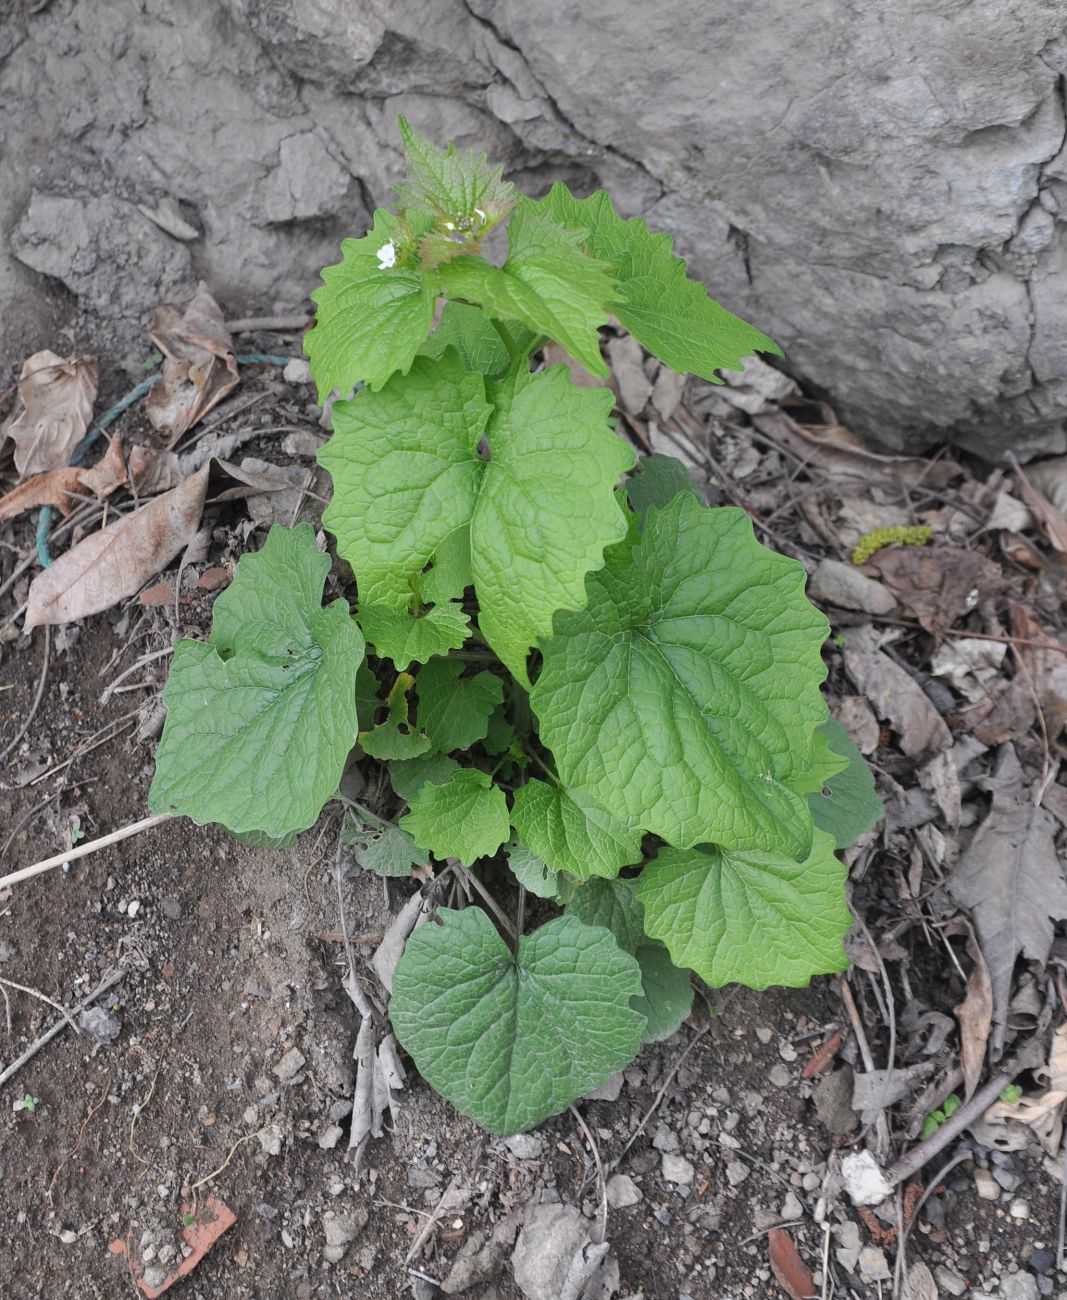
[514,354]
[520,915]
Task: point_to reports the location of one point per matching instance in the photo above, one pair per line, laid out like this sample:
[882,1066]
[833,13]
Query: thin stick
[882,1122]
[600,1232]
[614,1164]
[225,1164]
[42,997]
[37,698]
[140,1108]
[487,898]
[109,981]
[270,324]
[83,850]
[128,672]
[428,1226]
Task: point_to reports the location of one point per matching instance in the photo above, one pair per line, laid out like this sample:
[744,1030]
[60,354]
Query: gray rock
[902,235]
[874,1267]
[986,1185]
[340,1231]
[622,1191]
[835,583]
[553,1256]
[677,1169]
[1019,1286]
[949,1281]
[736,1172]
[290,1065]
[527,1146]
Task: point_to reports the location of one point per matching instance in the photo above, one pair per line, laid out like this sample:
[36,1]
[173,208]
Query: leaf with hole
[845,802]
[396,737]
[408,638]
[512,1038]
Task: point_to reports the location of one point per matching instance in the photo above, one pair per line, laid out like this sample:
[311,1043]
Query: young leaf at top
[462,189]
[261,719]
[684,697]
[658,481]
[748,917]
[670,314]
[548,283]
[571,833]
[396,738]
[465,818]
[511,1039]
[667,994]
[373,313]
[477,340]
[409,638]
[408,479]
[846,803]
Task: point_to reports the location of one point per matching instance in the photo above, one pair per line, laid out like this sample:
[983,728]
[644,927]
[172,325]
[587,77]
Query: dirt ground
[223,1066]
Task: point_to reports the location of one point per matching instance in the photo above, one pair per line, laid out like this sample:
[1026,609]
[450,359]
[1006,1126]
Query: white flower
[386,256]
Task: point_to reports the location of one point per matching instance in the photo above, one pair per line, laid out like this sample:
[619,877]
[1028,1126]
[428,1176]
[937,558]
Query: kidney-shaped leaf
[512,1038]
[571,834]
[261,719]
[748,917]
[684,697]
[465,817]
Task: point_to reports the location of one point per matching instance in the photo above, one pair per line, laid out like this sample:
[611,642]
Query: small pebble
[948,1281]
[526,1146]
[736,1172]
[290,1065]
[764,1033]
[622,1191]
[780,1076]
[791,1207]
[665,1140]
[986,1185]
[1042,1259]
[677,1169]
[1019,1209]
[133,908]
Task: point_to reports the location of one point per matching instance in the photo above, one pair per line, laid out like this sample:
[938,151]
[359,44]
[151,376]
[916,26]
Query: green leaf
[258,840]
[500,734]
[370,321]
[658,481]
[261,719]
[672,316]
[612,904]
[462,188]
[387,850]
[408,776]
[571,833]
[546,509]
[408,480]
[450,573]
[407,638]
[548,283]
[466,818]
[395,737]
[406,473]
[531,872]
[474,336]
[511,1039]
[847,804]
[368,695]
[683,699]
[822,764]
[748,917]
[453,710]
[667,996]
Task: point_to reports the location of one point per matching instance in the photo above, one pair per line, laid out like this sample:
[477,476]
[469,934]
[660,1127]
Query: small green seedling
[27,1102]
[1011,1094]
[188,1219]
[936,1118]
[588,687]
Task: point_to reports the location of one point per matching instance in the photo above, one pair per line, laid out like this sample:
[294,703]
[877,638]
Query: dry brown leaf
[53,410]
[109,472]
[938,584]
[199,367]
[114,563]
[154,471]
[1040,1111]
[1047,668]
[894,695]
[53,488]
[1011,881]
[975,1012]
[792,1274]
[1055,525]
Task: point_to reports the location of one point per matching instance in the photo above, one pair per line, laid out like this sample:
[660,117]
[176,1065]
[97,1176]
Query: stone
[873,1265]
[290,1065]
[791,1207]
[526,1146]
[1041,1259]
[1019,1286]
[340,1231]
[665,1139]
[622,1191]
[1019,1209]
[833,1101]
[736,1172]
[836,583]
[554,1248]
[949,1281]
[889,231]
[986,1185]
[677,1169]
[780,1076]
